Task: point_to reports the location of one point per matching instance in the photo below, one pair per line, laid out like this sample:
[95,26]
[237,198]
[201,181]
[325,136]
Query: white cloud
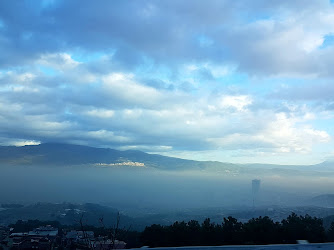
[152,149]
[18,142]
[100,113]
[25,77]
[157,120]
[58,61]
[105,136]
[237,102]
[197,86]
[282,135]
[124,88]
[21,143]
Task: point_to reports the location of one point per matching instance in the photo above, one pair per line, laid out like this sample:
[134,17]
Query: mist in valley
[147,188]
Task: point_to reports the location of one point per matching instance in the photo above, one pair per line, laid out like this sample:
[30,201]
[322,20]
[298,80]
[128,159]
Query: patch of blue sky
[26,35]
[148,69]
[47,70]
[233,83]
[323,124]
[249,17]
[67,111]
[239,79]
[2,24]
[19,69]
[270,84]
[163,73]
[48,3]
[204,41]
[63,86]
[5,87]
[243,83]
[328,41]
[84,56]
[145,67]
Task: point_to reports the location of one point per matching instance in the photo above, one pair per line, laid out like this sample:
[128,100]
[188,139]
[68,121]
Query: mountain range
[56,154]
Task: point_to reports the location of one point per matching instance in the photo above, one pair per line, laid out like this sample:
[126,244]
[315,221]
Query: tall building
[256,183]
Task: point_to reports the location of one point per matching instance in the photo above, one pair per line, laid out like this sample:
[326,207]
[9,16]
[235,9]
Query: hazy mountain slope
[66,154]
[324,166]
[66,213]
[54,154]
[325,200]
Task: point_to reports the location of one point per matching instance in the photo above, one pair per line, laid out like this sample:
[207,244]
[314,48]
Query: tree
[303,228]
[154,236]
[232,231]
[330,233]
[262,230]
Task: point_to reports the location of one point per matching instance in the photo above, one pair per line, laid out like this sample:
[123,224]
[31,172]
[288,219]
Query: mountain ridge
[70,154]
[56,154]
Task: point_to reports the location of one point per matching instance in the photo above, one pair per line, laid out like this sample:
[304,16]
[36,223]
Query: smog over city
[158,112]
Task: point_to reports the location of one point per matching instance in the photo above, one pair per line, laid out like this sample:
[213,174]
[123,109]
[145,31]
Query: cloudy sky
[235,81]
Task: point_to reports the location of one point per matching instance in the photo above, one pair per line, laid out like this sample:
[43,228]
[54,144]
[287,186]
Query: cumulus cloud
[155,119]
[237,102]
[286,43]
[168,76]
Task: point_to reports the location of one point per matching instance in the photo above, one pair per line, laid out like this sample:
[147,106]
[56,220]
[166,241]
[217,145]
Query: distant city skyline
[232,81]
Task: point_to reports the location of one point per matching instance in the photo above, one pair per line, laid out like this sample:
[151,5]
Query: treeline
[262,230]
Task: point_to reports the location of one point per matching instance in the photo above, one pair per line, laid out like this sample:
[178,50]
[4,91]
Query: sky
[240,81]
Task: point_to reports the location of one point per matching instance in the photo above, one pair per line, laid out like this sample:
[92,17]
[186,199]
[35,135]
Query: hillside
[66,214]
[55,154]
[325,200]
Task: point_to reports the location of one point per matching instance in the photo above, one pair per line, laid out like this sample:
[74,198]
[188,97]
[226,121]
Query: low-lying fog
[149,188]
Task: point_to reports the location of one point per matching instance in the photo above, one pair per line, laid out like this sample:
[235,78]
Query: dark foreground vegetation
[261,230]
